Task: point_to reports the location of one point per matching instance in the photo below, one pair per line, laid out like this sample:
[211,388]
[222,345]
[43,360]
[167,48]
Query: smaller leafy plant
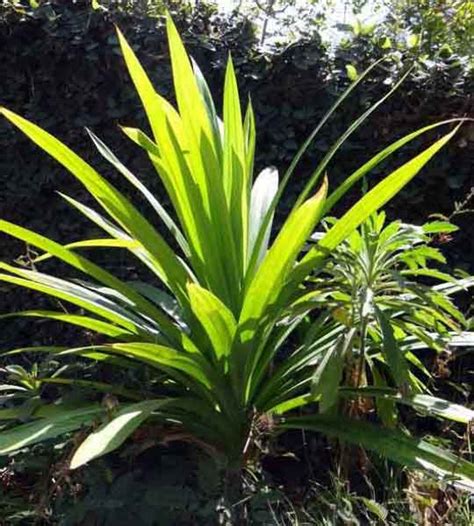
[381,294]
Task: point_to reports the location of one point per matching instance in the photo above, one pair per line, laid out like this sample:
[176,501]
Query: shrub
[371,293]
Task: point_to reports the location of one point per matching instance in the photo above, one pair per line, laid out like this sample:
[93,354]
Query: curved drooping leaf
[426,404]
[167,265]
[391,443]
[77,295]
[64,421]
[112,434]
[91,269]
[87,322]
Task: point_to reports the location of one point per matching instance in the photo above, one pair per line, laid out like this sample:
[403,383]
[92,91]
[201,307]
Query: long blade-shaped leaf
[367,205]
[93,270]
[113,434]
[77,295]
[263,191]
[210,107]
[234,172]
[124,239]
[92,243]
[250,135]
[87,322]
[426,404]
[215,318]
[392,444]
[144,87]
[46,428]
[349,182]
[168,265]
[340,141]
[165,358]
[162,213]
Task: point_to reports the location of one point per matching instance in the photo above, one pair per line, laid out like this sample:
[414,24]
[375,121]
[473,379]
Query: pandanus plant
[212,320]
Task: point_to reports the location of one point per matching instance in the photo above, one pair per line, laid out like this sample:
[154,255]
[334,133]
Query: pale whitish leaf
[269,280]
[461,284]
[113,434]
[438,407]
[426,404]
[465,339]
[264,190]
